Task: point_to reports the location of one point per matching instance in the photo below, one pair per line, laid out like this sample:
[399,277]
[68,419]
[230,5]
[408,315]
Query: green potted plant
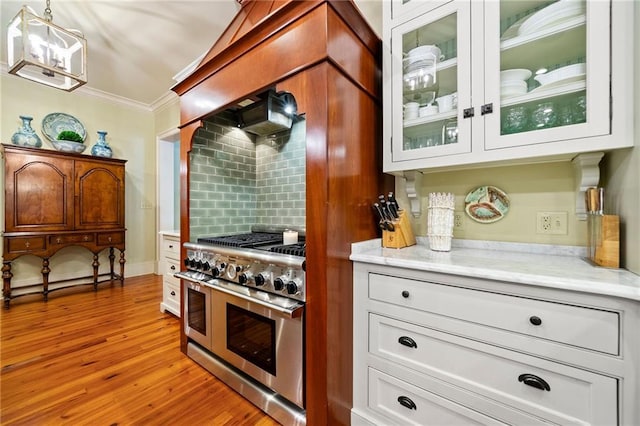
[70,135]
[69,141]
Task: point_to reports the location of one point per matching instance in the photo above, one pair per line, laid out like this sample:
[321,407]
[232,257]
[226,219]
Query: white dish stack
[513,82]
[440,220]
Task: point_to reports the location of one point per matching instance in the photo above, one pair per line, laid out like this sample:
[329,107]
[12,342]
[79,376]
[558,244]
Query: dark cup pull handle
[405,294]
[407,402]
[407,341]
[535,320]
[534,381]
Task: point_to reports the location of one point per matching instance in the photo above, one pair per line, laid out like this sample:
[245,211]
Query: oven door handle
[186,277]
[294,312]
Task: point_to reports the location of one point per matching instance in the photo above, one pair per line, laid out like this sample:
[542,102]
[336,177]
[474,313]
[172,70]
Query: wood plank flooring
[107,358]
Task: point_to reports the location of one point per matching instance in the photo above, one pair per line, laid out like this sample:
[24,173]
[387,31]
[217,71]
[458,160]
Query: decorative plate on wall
[56,122]
[486,204]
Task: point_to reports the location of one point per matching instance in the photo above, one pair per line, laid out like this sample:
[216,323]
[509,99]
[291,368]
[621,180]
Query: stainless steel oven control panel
[280,274]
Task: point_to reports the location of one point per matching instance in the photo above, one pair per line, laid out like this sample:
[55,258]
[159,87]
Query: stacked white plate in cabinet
[552,15]
[513,82]
[560,76]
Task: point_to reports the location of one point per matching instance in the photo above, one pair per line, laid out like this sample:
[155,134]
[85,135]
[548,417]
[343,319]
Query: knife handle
[592,200]
[600,201]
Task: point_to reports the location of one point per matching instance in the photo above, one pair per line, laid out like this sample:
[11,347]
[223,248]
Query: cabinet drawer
[406,404]
[24,245]
[71,238]
[579,326]
[171,247]
[110,238]
[573,395]
[171,295]
[172,266]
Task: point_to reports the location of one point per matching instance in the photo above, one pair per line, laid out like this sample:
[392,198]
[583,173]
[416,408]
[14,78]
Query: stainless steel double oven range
[244,298]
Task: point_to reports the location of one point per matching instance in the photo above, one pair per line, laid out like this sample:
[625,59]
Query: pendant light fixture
[41,51]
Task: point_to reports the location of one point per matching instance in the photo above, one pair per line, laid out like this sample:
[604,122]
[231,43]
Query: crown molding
[184,73]
[87,90]
[164,101]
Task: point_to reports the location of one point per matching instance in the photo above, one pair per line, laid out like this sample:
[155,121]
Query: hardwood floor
[107,358]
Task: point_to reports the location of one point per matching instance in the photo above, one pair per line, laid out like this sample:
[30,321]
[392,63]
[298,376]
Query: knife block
[402,235]
[604,240]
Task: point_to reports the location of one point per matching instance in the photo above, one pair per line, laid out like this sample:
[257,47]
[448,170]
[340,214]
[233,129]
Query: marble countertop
[560,267]
[171,233]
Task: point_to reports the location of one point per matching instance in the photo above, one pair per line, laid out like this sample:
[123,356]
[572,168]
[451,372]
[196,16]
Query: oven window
[197,311]
[253,337]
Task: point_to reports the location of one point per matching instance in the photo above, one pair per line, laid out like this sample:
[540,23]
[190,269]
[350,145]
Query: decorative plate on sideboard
[56,122]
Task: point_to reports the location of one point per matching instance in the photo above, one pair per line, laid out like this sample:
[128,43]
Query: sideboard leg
[45,278]
[95,265]
[111,260]
[122,261]
[6,286]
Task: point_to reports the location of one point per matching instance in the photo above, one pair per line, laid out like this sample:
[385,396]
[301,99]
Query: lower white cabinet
[439,349]
[168,265]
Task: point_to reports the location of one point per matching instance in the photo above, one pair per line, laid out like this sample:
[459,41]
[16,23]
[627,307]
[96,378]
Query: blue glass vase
[26,136]
[101,148]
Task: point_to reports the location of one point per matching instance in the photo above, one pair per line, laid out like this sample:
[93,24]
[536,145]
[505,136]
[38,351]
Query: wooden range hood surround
[327,56]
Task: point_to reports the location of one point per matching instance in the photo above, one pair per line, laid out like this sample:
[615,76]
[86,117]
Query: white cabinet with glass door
[533,79]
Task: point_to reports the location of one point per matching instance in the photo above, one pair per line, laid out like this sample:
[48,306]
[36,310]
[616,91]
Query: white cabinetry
[434,348]
[584,105]
[168,265]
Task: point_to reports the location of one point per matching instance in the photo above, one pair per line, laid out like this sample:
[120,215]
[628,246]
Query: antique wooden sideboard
[58,199]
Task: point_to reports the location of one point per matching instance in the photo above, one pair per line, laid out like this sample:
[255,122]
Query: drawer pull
[405,294]
[170,246]
[405,401]
[535,320]
[534,381]
[173,293]
[173,267]
[407,341]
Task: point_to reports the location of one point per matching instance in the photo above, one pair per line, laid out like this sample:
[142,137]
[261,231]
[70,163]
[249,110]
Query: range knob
[259,279]
[278,284]
[198,264]
[292,287]
[215,272]
[206,266]
[186,262]
[192,263]
[243,278]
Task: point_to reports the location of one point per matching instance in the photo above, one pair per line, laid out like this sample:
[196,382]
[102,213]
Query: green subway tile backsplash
[238,180]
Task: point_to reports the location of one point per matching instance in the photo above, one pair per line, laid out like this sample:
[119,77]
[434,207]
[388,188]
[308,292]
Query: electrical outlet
[458,220]
[145,205]
[554,223]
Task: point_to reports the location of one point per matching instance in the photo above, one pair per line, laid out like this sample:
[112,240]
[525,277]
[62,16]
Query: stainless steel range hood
[272,114]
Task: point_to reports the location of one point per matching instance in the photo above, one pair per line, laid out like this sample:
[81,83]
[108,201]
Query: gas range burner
[250,240]
[299,249]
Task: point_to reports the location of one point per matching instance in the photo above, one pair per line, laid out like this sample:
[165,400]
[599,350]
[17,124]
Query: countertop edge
[442,262]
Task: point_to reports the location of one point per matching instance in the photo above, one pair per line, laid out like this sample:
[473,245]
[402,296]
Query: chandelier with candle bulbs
[41,51]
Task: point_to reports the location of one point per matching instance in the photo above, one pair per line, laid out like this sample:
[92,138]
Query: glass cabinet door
[402,7]
[548,65]
[430,83]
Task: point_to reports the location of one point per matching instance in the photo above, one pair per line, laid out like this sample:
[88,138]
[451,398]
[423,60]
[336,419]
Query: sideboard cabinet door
[99,190]
[39,193]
